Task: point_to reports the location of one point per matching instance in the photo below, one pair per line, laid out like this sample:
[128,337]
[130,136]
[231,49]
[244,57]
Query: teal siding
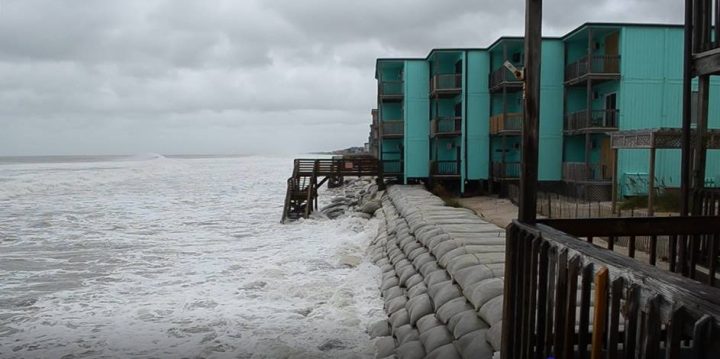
[652,97]
[477,117]
[417,119]
[551,111]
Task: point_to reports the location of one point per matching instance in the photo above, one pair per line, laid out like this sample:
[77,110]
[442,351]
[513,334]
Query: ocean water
[148,256]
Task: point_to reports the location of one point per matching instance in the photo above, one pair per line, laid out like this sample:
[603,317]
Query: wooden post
[651,183]
[614,180]
[686,114]
[600,316]
[700,158]
[531,111]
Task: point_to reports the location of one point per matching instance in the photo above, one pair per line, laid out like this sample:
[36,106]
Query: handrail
[508,121]
[446,125]
[595,64]
[391,88]
[446,82]
[445,167]
[581,120]
[506,169]
[548,306]
[581,171]
[503,76]
[393,128]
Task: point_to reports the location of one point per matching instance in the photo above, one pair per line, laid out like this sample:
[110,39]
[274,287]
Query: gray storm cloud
[270,76]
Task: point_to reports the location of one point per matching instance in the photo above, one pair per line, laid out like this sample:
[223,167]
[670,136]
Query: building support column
[686,117]
[651,183]
[614,180]
[700,155]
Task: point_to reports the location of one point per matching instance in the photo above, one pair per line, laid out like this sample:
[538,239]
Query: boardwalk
[310,174]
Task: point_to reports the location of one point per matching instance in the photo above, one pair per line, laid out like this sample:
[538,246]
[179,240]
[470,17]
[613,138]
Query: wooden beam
[651,184]
[614,180]
[707,63]
[531,112]
[635,226]
[700,155]
[686,114]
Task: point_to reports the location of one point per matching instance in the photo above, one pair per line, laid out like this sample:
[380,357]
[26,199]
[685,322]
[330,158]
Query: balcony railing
[445,168]
[391,90]
[393,128]
[505,170]
[567,298]
[582,172]
[596,119]
[446,126]
[605,66]
[450,84]
[506,122]
[503,77]
[392,167]
[706,202]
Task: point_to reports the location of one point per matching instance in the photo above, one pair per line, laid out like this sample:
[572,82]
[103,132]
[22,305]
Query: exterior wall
[551,111]
[476,125]
[417,119]
[652,97]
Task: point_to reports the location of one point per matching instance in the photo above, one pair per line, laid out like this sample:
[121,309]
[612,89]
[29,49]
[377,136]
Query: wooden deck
[310,174]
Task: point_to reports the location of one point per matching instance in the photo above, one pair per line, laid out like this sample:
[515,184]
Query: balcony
[393,129]
[446,126]
[506,123]
[503,78]
[391,91]
[583,172]
[598,68]
[594,121]
[505,170]
[392,167]
[582,288]
[449,169]
[447,85]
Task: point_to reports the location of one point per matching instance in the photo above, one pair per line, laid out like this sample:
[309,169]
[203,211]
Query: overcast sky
[233,77]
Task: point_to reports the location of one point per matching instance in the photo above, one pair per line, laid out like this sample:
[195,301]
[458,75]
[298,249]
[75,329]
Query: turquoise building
[455,116]
[404,121]
[458,112]
[506,110]
[624,77]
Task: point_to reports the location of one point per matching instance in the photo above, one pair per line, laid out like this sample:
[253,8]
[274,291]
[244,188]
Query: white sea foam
[175,258]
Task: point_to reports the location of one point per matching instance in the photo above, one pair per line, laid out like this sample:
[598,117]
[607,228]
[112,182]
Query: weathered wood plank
[635,226]
[616,293]
[601,291]
[631,323]
[583,330]
[542,301]
[651,337]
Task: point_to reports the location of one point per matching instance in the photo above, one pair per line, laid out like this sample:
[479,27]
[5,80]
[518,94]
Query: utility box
[634,184]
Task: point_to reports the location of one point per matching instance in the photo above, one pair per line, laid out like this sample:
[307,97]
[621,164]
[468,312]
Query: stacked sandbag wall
[442,270]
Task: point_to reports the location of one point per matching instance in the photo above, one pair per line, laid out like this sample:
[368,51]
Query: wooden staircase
[310,174]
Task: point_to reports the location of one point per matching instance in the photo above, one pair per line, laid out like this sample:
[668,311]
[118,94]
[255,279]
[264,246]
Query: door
[611,115]
[606,158]
[458,71]
[612,62]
